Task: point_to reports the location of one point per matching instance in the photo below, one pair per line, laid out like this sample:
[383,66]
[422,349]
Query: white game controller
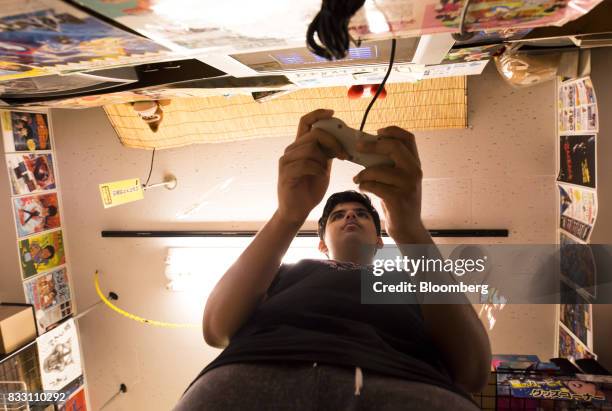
[348,137]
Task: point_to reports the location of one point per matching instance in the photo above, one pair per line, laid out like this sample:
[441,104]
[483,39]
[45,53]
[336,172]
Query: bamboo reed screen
[426,105]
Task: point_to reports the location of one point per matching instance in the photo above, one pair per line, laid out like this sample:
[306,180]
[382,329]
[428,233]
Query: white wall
[497,174]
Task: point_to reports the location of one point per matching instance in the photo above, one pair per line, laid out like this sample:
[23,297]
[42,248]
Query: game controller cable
[380,87]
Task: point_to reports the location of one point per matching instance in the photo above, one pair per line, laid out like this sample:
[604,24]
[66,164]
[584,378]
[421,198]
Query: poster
[469,54]
[577,159]
[50,295]
[576,228]
[570,348]
[577,205]
[236,24]
[55,37]
[23,131]
[230,25]
[36,213]
[59,356]
[577,106]
[57,85]
[577,266]
[489,14]
[577,318]
[76,402]
[72,388]
[41,253]
[503,390]
[556,388]
[411,18]
[30,173]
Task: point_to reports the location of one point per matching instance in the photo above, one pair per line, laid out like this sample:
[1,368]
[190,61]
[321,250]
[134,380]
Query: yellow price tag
[121,192]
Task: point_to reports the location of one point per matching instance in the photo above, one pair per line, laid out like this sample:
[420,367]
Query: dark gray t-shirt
[314,313]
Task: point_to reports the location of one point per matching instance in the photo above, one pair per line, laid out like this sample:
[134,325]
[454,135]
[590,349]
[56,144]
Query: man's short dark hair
[349,196]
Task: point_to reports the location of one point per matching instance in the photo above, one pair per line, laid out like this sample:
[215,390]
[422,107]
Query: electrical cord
[150,169]
[331,27]
[134,317]
[380,87]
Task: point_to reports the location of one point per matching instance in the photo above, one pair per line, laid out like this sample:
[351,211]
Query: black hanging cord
[380,87]
[151,168]
[331,27]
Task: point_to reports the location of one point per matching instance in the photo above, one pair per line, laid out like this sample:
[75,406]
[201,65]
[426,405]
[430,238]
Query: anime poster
[577,106]
[504,401]
[556,388]
[570,348]
[23,131]
[469,54]
[577,266]
[72,388]
[30,173]
[55,36]
[579,205]
[207,24]
[576,317]
[76,402]
[14,71]
[577,158]
[576,228]
[36,213]
[41,253]
[230,25]
[489,14]
[50,295]
[59,356]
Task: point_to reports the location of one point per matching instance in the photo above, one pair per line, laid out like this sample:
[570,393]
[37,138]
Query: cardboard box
[17,327]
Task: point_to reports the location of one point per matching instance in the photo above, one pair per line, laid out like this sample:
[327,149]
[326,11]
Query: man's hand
[448,326]
[305,167]
[399,186]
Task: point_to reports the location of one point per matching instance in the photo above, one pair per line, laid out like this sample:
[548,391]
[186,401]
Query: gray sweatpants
[312,386]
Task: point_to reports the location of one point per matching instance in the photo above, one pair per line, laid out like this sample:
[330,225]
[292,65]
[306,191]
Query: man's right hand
[305,167]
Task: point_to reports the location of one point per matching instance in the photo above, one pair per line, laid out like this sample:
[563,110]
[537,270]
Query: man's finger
[384,174]
[328,143]
[394,149]
[404,136]
[300,168]
[382,191]
[310,151]
[307,120]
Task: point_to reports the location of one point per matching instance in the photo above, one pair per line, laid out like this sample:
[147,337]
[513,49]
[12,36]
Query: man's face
[349,225]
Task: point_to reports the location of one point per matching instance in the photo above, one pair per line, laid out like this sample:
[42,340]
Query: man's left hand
[399,186]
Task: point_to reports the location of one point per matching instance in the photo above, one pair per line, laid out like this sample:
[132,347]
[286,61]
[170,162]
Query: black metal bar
[497,232]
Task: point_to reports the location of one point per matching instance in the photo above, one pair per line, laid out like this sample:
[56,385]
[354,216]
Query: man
[298,337]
